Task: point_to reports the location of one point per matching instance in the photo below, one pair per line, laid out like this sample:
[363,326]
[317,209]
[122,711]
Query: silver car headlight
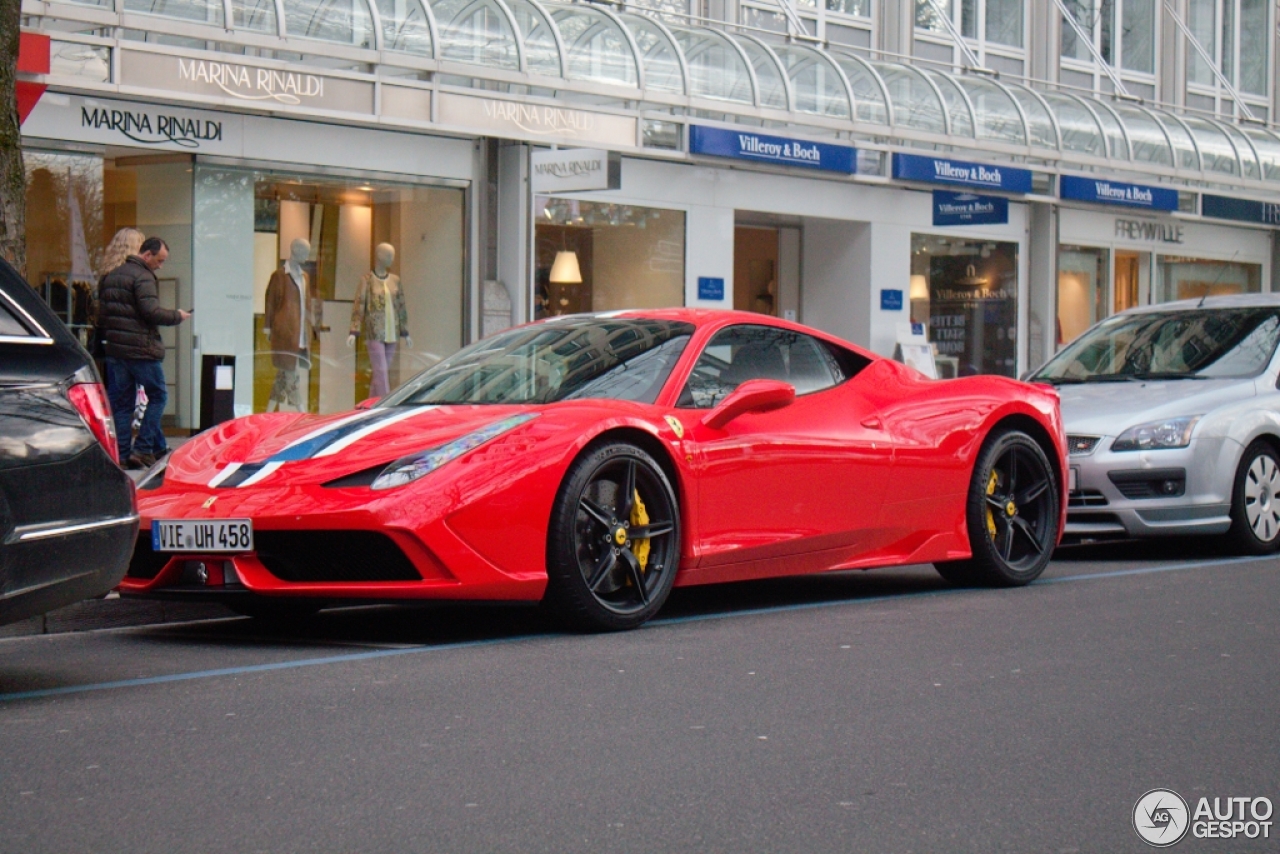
[1157,435]
[408,469]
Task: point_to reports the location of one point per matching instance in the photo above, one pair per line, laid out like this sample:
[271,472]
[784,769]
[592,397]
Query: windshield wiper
[1057,380]
[1112,378]
[1168,375]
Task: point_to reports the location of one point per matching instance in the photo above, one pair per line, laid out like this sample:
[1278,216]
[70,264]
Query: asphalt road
[874,712]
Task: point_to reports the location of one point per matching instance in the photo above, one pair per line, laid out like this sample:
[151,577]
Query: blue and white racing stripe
[326,441]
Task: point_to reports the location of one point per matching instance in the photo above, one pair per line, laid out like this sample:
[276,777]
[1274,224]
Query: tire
[274,611]
[1255,502]
[600,577]
[1012,514]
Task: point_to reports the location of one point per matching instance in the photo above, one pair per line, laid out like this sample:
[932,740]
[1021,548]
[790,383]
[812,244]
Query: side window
[10,326]
[742,353]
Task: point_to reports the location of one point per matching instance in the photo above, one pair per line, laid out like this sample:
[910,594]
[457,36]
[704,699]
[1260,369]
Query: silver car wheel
[1261,506]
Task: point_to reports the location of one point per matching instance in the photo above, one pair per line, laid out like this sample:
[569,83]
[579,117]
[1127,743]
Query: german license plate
[207,536]
[1072,478]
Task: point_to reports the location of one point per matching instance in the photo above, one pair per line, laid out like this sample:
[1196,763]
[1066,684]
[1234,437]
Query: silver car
[1173,422]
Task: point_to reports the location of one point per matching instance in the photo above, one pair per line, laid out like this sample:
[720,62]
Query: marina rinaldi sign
[778,150]
[1106,192]
[942,170]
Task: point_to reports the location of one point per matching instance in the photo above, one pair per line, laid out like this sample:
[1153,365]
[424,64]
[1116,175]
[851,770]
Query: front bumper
[1175,491]
[324,545]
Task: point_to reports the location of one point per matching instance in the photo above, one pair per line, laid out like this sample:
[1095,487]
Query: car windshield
[1195,344]
[571,358]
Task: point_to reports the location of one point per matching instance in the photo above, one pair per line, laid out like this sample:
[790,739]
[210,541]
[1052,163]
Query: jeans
[123,378]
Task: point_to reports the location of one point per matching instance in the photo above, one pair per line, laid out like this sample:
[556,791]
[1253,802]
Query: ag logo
[1160,817]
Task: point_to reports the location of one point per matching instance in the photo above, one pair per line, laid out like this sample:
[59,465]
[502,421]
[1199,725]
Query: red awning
[33,58]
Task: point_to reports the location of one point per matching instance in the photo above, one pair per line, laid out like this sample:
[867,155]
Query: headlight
[1170,433]
[410,468]
[154,476]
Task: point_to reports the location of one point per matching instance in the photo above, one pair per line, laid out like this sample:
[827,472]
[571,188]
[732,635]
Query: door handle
[872,423]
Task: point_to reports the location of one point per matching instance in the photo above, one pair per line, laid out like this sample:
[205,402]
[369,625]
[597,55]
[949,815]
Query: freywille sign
[149,128]
[1152,231]
[576,169]
[537,121]
[246,83]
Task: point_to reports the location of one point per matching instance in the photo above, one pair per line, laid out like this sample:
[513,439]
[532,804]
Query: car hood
[1108,409]
[319,447]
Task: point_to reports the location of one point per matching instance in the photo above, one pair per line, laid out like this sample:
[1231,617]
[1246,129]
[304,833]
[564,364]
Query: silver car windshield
[574,357]
[1195,344]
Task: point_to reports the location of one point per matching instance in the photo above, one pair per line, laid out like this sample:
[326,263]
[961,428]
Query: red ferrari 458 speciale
[595,461]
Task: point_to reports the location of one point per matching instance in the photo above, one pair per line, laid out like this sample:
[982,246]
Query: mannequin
[292,321]
[378,313]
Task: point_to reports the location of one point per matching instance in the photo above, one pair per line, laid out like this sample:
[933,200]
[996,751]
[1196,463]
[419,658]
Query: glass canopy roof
[597,44]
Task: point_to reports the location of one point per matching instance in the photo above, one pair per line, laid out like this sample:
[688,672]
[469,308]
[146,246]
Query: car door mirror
[367,403]
[751,396]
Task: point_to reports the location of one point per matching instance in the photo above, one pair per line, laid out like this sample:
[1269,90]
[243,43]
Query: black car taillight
[90,400]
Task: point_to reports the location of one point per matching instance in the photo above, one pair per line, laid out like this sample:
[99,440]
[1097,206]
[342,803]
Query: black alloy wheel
[614,545]
[1012,514]
[1255,501]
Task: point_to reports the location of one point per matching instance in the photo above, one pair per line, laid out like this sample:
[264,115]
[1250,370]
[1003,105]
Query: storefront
[237,198]
[1112,260]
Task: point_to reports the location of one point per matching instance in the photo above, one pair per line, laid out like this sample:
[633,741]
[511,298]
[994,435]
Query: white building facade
[1002,173]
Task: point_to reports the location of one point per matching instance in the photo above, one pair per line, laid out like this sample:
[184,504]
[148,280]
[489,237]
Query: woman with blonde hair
[126,242]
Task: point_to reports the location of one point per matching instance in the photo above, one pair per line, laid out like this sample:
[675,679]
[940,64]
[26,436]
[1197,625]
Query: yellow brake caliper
[991,519]
[640,516]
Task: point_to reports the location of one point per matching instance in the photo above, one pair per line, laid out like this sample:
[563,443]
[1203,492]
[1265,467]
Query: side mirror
[751,396]
[367,403]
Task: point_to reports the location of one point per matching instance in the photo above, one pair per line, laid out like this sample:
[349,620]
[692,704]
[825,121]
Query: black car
[68,518]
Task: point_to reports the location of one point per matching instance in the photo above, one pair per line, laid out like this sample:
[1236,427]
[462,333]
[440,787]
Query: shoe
[140,461]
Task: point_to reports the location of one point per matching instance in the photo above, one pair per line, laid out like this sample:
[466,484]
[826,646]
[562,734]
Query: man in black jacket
[129,314]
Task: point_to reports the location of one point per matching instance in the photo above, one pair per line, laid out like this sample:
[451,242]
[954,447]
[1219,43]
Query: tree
[13,182]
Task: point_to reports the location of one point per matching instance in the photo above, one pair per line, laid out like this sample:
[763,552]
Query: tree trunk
[13,178]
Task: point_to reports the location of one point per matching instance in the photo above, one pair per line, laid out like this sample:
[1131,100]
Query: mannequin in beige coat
[379,314]
[291,322]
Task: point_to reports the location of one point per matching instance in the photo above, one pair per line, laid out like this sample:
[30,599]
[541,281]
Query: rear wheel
[1255,504]
[614,544]
[1012,515]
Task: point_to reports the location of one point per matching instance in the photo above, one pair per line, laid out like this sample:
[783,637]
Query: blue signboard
[890,299]
[762,148]
[968,209]
[943,170]
[1240,210]
[710,288]
[1104,192]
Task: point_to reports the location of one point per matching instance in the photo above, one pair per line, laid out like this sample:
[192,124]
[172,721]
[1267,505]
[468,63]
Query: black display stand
[216,404]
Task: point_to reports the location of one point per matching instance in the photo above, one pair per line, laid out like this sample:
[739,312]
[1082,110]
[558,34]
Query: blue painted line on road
[1147,570]
[665,621]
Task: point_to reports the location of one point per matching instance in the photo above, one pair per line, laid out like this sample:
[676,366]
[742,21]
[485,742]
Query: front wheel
[1255,505]
[1012,515]
[614,544]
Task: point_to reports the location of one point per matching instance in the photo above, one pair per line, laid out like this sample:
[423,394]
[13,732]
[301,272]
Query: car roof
[1228,301]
